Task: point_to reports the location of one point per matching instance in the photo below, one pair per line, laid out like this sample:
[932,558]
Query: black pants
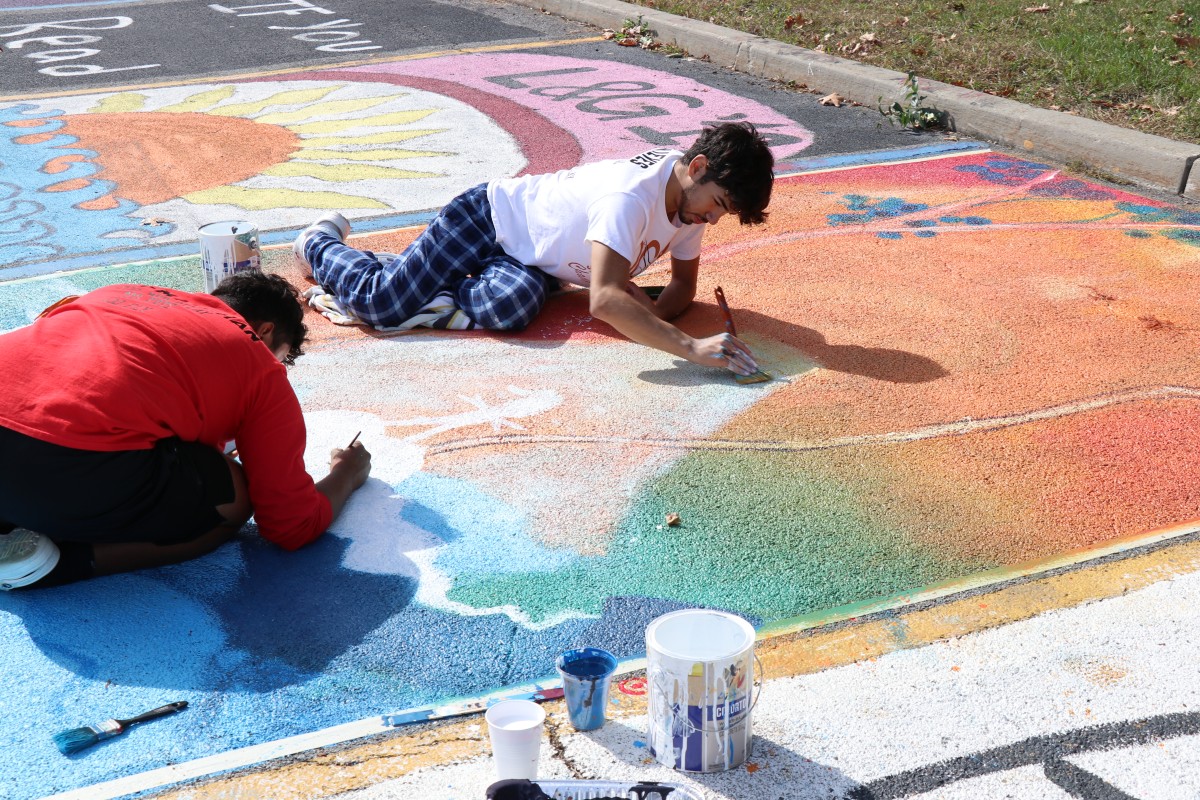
[166,495]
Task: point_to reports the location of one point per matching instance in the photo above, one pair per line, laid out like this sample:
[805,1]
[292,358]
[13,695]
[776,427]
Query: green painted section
[22,300]
[829,542]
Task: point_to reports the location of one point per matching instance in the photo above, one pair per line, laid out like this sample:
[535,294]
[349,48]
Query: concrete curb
[1154,160]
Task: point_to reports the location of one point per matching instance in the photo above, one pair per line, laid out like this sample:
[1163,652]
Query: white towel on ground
[439,313]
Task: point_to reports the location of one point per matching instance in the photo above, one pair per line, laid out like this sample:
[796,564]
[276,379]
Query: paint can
[227,248]
[700,674]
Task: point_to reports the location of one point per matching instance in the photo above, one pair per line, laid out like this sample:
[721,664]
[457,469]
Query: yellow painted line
[832,642]
[992,579]
[494,48]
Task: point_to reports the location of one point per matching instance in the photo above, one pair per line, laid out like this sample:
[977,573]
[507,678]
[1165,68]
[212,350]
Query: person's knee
[505,297]
[237,512]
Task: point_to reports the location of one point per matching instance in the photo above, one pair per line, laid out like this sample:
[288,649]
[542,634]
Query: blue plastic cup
[586,675]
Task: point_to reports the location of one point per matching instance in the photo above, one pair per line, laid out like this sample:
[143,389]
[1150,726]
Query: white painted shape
[1026,783]
[435,585]
[1166,770]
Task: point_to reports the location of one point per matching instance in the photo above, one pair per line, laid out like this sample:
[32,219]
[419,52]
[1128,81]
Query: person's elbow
[604,301]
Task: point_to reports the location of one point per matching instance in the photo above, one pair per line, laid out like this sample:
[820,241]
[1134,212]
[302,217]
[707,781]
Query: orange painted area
[1051,303]
[34,138]
[61,163]
[990,392]
[100,203]
[69,185]
[156,156]
[25,123]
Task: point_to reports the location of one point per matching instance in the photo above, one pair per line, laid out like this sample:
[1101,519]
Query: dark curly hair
[260,298]
[741,163]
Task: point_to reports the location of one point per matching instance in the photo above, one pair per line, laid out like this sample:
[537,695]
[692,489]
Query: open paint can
[227,248]
[700,675]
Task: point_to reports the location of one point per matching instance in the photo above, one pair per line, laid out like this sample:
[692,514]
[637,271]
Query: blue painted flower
[872,208]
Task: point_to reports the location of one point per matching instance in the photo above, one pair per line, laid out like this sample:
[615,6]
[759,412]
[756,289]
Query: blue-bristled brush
[76,739]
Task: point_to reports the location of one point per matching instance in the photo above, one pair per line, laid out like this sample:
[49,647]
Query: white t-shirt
[549,221]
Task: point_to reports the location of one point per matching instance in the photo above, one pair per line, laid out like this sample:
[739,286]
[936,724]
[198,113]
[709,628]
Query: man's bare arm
[612,303]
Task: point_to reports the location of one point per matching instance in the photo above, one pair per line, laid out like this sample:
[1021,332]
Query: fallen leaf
[628,41]
[1180,18]
[794,21]
[673,519]
[1129,29]
[869,38]
[608,33]
[1186,41]
[1037,9]
[834,100]
[751,766]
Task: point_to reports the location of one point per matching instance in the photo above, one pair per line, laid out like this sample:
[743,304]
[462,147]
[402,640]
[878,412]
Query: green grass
[1133,64]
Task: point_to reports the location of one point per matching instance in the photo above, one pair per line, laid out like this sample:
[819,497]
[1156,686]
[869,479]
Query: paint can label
[699,711]
[712,731]
[227,248]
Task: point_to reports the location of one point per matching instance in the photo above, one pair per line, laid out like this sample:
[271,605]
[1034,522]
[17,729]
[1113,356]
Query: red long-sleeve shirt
[127,365]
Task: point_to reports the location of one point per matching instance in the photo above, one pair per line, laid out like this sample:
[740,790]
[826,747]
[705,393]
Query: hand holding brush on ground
[735,352]
[76,739]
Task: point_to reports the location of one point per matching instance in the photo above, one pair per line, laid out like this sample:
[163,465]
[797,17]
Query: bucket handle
[758,686]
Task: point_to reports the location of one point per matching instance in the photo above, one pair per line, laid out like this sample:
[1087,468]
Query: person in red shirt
[116,414]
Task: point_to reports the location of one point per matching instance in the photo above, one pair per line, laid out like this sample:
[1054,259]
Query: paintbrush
[758,376]
[355,439]
[77,739]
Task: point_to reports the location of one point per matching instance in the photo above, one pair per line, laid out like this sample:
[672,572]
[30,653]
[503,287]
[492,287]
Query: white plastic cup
[515,728]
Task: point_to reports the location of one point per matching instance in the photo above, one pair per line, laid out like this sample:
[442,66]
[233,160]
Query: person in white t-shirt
[495,250]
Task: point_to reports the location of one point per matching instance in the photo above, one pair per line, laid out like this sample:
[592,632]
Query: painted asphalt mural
[981,363]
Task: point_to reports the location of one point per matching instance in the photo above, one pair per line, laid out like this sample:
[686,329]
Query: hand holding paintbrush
[737,356]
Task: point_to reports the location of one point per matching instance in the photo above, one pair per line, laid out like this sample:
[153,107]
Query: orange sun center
[153,157]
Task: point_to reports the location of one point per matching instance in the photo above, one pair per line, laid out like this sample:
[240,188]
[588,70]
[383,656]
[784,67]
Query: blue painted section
[265,644]
[69,262]
[875,157]
[475,528]
[36,224]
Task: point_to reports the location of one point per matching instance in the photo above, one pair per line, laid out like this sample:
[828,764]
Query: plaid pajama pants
[457,253]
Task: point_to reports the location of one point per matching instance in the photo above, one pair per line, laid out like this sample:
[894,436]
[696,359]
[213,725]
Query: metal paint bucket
[227,248]
[700,672]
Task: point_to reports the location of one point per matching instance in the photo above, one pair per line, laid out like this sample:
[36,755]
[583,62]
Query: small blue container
[586,675]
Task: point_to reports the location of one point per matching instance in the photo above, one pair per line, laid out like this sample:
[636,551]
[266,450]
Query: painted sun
[272,152]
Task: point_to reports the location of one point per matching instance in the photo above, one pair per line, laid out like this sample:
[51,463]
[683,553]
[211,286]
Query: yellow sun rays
[332,151]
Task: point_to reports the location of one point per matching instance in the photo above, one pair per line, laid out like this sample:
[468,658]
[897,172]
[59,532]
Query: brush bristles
[76,739]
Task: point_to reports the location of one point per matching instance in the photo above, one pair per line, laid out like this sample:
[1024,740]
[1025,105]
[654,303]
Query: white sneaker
[25,557]
[333,223]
